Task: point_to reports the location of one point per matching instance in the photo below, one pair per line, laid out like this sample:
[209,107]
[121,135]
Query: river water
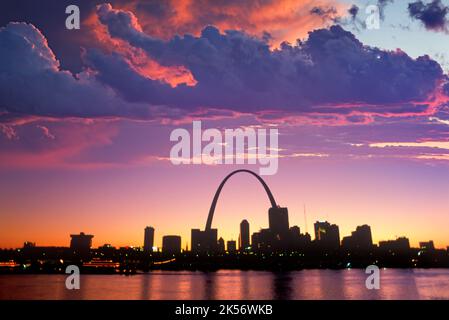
[234,284]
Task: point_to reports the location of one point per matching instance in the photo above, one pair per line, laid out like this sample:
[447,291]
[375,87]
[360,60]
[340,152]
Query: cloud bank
[330,73]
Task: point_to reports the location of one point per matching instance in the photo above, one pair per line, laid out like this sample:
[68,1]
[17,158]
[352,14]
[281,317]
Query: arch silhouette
[217,194]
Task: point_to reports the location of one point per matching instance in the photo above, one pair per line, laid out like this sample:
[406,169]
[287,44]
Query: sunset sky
[86,116]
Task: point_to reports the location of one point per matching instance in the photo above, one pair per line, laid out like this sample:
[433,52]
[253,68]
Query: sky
[86,116]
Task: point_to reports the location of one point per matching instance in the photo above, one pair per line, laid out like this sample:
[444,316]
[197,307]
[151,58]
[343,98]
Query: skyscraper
[231,246]
[204,241]
[360,239]
[171,244]
[278,221]
[327,235]
[244,235]
[363,236]
[148,241]
[81,243]
[294,238]
[221,245]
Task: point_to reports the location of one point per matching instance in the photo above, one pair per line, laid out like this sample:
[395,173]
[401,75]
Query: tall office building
[81,243]
[327,235]
[171,244]
[204,241]
[278,221]
[294,240]
[221,245]
[363,237]
[231,246]
[148,241]
[255,241]
[360,239]
[244,235]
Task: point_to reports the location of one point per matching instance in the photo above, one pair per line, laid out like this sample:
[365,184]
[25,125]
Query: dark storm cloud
[432,14]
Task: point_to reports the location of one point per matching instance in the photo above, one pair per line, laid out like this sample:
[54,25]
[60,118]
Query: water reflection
[282,285]
[146,287]
[395,283]
[209,286]
[244,284]
[234,284]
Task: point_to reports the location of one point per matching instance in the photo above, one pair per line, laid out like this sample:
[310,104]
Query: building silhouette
[231,246]
[221,245]
[294,241]
[295,231]
[28,244]
[204,241]
[278,222]
[327,236]
[244,243]
[359,240]
[81,243]
[305,239]
[255,241]
[427,246]
[264,240]
[171,244]
[148,241]
[400,245]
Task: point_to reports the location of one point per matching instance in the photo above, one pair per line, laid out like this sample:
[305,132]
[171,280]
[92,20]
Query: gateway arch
[217,194]
[206,241]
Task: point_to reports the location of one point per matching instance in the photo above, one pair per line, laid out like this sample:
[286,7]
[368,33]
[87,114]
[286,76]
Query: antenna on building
[305,218]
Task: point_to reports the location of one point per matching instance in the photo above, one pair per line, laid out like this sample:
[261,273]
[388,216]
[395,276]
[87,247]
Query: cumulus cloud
[32,83]
[284,20]
[432,15]
[330,73]
[238,71]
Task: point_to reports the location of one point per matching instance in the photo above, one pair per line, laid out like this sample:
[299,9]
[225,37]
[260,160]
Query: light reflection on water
[234,284]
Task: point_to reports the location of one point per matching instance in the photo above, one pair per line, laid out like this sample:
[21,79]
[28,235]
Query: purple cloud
[331,73]
[32,82]
[238,71]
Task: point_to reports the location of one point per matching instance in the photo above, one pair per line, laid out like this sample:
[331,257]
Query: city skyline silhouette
[359,143]
[274,210]
[207,251]
[140,141]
